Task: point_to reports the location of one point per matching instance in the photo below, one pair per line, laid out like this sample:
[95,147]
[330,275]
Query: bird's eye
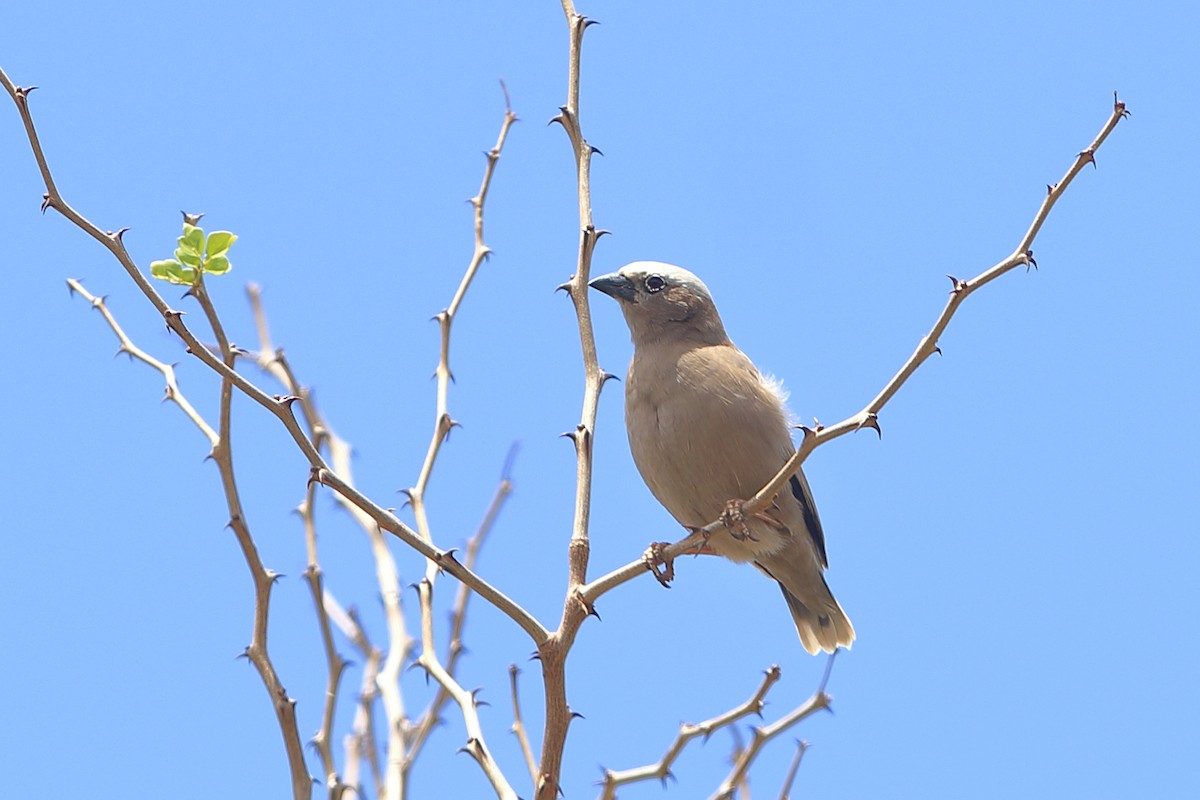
[655,283]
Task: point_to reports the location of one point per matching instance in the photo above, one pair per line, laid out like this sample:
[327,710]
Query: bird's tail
[820,621]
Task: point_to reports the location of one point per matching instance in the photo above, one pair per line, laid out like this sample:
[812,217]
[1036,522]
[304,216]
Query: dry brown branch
[335,665]
[428,660]
[133,351]
[869,416]
[263,578]
[361,741]
[552,651]
[518,726]
[765,733]
[458,617]
[443,423]
[400,643]
[687,732]
[280,407]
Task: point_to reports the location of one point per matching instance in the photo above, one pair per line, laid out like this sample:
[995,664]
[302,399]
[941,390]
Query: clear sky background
[1018,554]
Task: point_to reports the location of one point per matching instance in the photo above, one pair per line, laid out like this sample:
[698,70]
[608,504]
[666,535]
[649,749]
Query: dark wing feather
[811,521]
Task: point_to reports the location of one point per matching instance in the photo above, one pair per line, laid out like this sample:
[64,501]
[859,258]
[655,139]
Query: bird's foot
[653,557]
[734,520]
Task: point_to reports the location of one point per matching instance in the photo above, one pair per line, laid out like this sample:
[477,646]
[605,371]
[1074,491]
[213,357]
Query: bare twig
[552,652]
[263,578]
[765,733]
[869,416]
[458,617]
[428,660]
[133,351]
[281,407]
[400,643]
[442,420]
[518,726]
[661,769]
[443,423]
[334,663]
[361,741]
[786,792]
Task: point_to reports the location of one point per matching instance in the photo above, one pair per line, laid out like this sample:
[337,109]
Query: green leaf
[217,266]
[164,269]
[191,244]
[172,271]
[187,256]
[219,242]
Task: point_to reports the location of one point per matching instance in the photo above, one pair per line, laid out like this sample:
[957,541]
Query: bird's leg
[734,520]
[654,556]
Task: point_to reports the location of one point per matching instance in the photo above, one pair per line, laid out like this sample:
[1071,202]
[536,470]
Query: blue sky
[1018,553]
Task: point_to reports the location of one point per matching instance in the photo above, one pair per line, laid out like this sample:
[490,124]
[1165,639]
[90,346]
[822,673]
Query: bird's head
[662,301]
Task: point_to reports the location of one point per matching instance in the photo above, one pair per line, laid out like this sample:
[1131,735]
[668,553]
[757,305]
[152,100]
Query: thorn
[577,715]
[601,232]
[563,287]
[959,285]
[1050,188]
[595,150]
[605,377]
[45,202]
[937,350]
[192,219]
[119,235]
[535,656]
[1089,155]
[872,421]
[589,22]
[666,775]
[569,435]
[1029,259]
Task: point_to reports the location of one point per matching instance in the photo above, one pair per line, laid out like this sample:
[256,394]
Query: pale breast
[704,428]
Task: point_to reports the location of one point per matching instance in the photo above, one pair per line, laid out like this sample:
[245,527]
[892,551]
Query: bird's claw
[653,557]
[734,520]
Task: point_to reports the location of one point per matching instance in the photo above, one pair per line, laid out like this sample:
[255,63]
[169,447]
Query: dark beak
[616,286]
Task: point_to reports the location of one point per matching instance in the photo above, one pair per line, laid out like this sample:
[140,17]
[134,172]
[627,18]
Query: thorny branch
[386,669]
[869,416]
[765,733]
[661,769]
[443,423]
[263,578]
[518,726]
[458,617]
[790,780]
[335,665]
[281,407]
[552,651]
[361,741]
[133,351]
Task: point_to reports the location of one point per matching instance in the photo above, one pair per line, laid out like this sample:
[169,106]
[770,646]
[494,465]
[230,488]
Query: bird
[707,430]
